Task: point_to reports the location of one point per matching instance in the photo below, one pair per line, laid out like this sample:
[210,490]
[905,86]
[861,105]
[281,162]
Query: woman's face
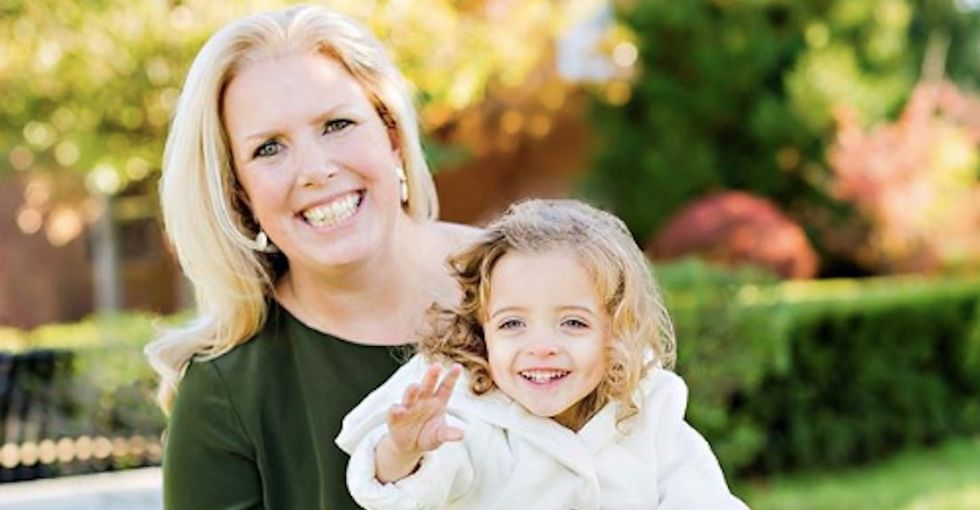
[315,160]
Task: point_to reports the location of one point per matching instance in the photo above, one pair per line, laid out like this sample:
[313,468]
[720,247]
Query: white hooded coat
[511,459]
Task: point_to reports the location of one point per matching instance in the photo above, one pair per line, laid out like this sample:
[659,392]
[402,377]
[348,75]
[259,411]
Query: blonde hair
[640,327]
[208,223]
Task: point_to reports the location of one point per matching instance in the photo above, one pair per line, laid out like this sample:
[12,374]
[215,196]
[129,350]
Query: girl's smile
[545,332]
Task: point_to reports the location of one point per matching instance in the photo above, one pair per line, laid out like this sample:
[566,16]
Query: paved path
[133,489]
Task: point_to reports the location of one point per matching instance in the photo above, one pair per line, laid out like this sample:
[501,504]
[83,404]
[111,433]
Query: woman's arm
[209,461]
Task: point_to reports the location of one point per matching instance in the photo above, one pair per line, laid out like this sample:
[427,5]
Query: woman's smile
[334,211]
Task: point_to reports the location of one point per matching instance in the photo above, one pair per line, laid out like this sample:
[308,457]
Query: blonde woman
[297,199]
[565,347]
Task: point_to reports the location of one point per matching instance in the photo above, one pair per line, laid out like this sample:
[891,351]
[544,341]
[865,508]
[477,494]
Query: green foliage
[781,375]
[741,94]
[825,373]
[106,387]
[725,349]
[89,87]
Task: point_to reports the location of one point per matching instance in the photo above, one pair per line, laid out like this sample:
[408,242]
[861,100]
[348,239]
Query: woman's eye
[268,148]
[333,126]
[510,324]
[575,323]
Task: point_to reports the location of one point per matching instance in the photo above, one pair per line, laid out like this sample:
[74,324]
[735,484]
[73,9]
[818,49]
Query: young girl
[564,345]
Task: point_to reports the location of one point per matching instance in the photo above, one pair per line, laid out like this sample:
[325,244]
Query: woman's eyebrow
[315,119]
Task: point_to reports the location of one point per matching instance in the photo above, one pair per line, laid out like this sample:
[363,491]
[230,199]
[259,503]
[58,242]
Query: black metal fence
[43,428]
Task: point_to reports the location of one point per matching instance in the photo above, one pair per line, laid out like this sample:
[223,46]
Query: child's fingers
[447,434]
[429,379]
[396,412]
[448,382]
[411,395]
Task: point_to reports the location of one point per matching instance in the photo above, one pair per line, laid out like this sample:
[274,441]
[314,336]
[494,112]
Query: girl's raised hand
[418,423]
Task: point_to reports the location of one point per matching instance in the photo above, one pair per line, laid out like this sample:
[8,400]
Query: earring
[262,243]
[403,183]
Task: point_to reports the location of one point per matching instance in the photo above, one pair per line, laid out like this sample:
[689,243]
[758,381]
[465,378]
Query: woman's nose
[314,166]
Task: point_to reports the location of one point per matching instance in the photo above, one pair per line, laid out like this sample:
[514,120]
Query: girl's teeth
[543,377]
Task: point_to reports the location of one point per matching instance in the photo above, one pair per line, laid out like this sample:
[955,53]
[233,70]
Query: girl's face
[314,158]
[546,332]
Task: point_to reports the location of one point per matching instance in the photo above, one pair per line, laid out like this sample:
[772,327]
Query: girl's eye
[575,323]
[333,126]
[510,324]
[268,148]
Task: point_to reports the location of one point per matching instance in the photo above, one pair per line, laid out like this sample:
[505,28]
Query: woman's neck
[381,300]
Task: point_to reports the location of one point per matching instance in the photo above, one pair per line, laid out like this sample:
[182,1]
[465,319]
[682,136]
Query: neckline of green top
[296,322]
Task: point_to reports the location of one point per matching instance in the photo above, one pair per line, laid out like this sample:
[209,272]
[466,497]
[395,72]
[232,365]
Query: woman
[296,195]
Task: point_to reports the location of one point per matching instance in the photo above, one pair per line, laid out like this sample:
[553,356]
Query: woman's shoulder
[258,352]
[456,235]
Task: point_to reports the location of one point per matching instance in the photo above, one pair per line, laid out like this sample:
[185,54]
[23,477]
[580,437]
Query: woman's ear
[392,127]
[396,146]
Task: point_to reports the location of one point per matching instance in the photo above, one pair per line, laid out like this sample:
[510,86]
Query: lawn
[946,477]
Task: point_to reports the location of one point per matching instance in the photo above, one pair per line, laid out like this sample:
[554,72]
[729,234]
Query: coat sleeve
[443,474]
[208,459]
[690,477]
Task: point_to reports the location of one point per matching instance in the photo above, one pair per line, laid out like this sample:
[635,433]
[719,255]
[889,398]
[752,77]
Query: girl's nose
[542,349]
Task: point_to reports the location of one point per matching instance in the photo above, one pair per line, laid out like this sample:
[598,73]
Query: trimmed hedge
[111,386]
[825,373]
[782,375]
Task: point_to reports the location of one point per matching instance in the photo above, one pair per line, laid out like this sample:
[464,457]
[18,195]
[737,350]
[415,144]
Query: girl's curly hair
[640,330]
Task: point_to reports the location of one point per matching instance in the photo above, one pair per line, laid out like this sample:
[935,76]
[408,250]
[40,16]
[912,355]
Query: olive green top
[255,428]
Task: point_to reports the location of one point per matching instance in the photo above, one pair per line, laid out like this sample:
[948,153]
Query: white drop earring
[403,183]
[262,243]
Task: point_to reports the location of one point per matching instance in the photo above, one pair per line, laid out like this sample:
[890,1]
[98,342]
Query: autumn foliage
[914,182]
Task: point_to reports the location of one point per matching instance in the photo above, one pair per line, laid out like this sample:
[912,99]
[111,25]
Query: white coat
[512,459]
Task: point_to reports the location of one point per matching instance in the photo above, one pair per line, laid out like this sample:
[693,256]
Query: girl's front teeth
[541,376]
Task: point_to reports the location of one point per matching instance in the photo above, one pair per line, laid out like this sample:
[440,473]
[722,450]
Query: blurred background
[805,175]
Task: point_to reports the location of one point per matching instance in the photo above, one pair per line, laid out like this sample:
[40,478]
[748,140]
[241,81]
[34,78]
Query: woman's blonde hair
[204,213]
[640,328]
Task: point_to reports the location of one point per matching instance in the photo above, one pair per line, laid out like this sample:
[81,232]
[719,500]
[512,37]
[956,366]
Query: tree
[741,95]
[89,87]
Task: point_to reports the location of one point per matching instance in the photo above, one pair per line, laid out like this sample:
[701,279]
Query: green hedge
[110,387]
[825,373]
[782,375]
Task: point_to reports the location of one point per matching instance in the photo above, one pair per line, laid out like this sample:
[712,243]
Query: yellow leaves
[67,153]
[39,134]
[103,179]
[91,87]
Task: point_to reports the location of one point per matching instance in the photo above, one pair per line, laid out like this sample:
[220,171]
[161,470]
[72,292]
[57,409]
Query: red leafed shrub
[735,228]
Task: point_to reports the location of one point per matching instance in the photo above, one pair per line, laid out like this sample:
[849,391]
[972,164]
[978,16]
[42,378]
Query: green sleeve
[209,462]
